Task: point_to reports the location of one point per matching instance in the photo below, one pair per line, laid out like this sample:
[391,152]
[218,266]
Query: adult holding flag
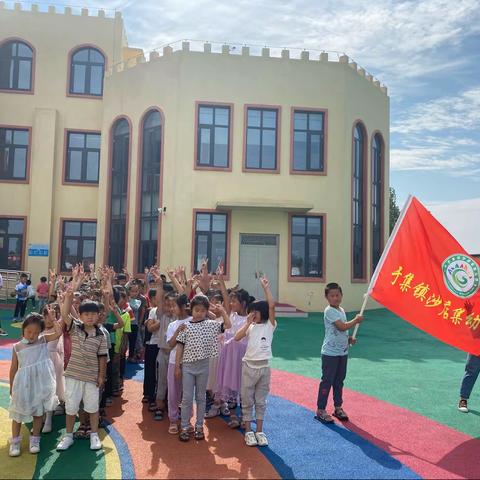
[425,277]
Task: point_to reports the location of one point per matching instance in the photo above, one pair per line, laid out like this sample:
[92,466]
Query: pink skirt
[229,370]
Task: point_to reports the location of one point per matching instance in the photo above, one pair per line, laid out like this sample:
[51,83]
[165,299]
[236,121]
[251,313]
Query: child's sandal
[145,400]
[184,435]
[158,415]
[323,417]
[199,435]
[233,423]
[173,429]
[340,414]
[152,407]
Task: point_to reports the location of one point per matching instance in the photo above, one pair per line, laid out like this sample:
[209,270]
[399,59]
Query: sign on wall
[38,250]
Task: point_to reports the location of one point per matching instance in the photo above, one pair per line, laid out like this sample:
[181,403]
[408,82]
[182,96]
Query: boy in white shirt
[259,329]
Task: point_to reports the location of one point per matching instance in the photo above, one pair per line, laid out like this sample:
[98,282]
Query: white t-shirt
[172,328]
[159,337]
[260,337]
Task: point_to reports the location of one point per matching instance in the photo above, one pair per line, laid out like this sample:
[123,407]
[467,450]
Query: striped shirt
[86,348]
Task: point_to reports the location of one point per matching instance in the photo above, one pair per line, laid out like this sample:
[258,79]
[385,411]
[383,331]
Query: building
[266,161]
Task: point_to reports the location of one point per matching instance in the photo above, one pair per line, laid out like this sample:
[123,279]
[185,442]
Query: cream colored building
[263,160]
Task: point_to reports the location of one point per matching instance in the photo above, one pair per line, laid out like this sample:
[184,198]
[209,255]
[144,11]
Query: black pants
[108,390]
[20,308]
[132,340]
[150,372]
[334,371]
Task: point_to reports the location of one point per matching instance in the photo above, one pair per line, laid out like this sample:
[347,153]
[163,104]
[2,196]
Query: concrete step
[283,310]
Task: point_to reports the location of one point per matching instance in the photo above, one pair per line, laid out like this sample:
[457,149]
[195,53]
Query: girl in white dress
[32,381]
[55,350]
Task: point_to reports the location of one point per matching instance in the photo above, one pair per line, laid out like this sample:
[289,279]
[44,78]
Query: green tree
[394,209]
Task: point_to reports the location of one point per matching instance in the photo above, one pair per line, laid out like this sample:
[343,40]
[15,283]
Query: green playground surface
[392,361]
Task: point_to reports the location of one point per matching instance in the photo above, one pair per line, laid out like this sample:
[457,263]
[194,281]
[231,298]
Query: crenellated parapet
[212,48]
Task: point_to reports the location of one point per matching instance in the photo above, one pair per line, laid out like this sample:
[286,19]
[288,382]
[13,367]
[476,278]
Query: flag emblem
[461,275]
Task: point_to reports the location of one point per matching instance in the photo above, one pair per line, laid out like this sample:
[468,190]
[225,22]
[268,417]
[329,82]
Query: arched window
[377,198]
[87,67]
[150,189]
[120,149]
[358,202]
[16,66]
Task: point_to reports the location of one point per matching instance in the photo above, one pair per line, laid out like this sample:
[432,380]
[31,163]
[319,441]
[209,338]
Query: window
[151,148]
[377,199]
[83,157]
[11,243]
[118,197]
[79,240]
[261,149]
[308,141]
[358,202]
[16,66]
[14,144]
[211,239]
[213,136]
[87,67]
[306,256]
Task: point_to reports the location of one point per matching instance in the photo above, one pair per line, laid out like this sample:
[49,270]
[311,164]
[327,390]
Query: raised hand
[265,282]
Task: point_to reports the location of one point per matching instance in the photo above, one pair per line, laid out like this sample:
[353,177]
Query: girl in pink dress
[229,369]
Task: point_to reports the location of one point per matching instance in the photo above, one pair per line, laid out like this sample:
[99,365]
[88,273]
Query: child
[85,373]
[174,384]
[21,296]
[42,293]
[135,304]
[55,351]
[196,345]
[162,316]
[215,406]
[229,370]
[30,293]
[32,381]
[151,352]
[259,329]
[334,354]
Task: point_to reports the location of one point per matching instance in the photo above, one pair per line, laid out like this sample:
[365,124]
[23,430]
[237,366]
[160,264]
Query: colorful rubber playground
[401,395]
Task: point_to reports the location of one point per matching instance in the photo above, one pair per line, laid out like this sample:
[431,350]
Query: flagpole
[382,259]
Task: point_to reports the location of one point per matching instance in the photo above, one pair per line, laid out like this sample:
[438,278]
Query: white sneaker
[95,443]
[34,444]
[262,440]
[463,405]
[65,443]
[250,439]
[14,450]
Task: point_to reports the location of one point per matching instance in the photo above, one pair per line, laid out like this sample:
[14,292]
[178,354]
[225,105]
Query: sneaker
[462,405]
[47,427]
[262,440]
[34,444]
[60,409]
[95,443]
[3,333]
[251,439]
[65,443]
[14,450]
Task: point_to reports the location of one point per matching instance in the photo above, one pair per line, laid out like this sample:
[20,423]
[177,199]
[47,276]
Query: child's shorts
[76,391]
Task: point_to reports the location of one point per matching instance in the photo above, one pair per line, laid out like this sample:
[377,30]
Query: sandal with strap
[81,432]
[158,415]
[145,400]
[233,423]
[323,417]
[184,435]
[173,429]
[199,435]
[152,407]
[340,414]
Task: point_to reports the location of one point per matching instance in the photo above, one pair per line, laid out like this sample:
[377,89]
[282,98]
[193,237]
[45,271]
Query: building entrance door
[258,257]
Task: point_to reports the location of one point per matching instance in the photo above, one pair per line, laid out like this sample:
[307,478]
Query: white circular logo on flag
[461,275]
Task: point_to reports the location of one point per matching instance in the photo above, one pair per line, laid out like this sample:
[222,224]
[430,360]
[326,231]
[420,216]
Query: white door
[258,257]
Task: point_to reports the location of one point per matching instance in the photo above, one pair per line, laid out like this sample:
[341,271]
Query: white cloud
[405,39]
[459,111]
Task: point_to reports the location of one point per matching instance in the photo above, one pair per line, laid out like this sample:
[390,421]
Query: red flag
[425,277]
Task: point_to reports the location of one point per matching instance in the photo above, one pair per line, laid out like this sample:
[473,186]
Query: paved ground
[402,390]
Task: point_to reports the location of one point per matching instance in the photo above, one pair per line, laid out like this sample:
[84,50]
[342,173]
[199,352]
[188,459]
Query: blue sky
[427,53]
